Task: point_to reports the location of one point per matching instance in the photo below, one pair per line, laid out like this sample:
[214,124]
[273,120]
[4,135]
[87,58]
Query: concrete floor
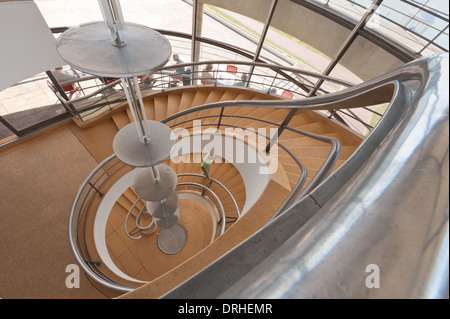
[37,192]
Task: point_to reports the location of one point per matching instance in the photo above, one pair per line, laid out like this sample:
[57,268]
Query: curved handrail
[79,258]
[324,100]
[302,176]
[322,173]
[236,207]
[216,199]
[327,102]
[274,67]
[375,211]
[137,220]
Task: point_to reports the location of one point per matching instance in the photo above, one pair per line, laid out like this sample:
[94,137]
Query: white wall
[27,46]
[252,173]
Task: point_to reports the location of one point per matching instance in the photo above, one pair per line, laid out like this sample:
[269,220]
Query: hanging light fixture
[117,49]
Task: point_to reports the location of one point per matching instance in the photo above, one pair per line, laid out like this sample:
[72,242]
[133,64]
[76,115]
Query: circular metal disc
[148,190]
[131,151]
[163,209]
[167,222]
[173,239]
[89,48]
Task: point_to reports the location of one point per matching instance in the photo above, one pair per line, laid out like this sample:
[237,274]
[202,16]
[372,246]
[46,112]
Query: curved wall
[252,171]
[28,46]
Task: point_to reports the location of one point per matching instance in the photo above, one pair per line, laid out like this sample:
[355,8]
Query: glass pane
[176,15]
[414,24]
[242,37]
[351,9]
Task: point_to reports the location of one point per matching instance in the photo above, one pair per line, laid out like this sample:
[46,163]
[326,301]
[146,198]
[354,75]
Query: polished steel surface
[164,208]
[90,48]
[172,240]
[167,222]
[207,192]
[382,217]
[235,205]
[149,190]
[73,242]
[390,211]
[129,149]
[385,234]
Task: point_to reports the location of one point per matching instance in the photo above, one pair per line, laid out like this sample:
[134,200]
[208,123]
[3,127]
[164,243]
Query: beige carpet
[38,182]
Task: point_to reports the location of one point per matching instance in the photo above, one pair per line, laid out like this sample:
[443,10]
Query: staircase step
[173,103]
[321,151]
[186,101]
[133,197]
[316,128]
[199,99]
[149,106]
[299,119]
[258,113]
[301,141]
[127,204]
[120,119]
[214,96]
[160,107]
[245,96]
[229,96]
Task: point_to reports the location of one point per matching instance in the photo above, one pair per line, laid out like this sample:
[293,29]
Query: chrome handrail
[71,224]
[216,200]
[319,177]
[302,176]
[236,207]
[275,67]
[322,101]
[386,207]
[110,283]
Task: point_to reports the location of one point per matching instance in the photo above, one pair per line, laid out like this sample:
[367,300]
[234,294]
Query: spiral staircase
[141,260]
[237,229]
[296,204]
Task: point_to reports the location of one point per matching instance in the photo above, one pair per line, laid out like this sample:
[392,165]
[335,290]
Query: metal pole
[95,188]
[140,122]
[431,41]
[347,43]
[194,29]
[220,117]
[262,38]
[57,85]
[344,47]
[197,21]
[60,90]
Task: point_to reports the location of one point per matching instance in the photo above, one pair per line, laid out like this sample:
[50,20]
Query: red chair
[287,94]
[232,69]
[110,80]
[69,88]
